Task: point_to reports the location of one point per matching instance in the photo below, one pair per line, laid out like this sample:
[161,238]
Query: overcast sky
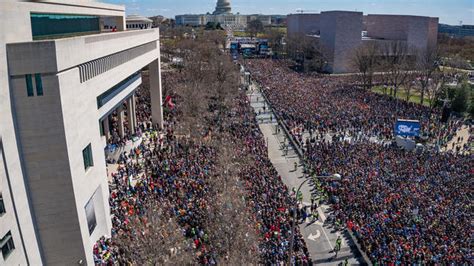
[449,11]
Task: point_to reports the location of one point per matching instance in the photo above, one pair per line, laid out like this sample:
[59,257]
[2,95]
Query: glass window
[90,215]
[2,205]
[39,85]
[6,244]
[52,26]
[87,157]
[29,85]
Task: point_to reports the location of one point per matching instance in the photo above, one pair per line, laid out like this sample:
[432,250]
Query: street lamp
[334,176]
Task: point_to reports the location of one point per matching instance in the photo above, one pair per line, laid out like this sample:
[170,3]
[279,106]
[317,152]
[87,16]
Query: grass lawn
[402,95]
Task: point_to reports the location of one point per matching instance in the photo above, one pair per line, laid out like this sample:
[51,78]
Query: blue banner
[407,128]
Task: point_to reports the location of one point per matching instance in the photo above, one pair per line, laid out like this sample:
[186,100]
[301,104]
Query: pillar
[134,109]
[106,127]
[121,128]
[155,93]
[131,115]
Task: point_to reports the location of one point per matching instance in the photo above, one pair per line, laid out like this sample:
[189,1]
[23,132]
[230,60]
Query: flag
[169,102]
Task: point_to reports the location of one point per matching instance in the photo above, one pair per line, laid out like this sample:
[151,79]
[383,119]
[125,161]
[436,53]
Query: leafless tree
[155,239]
[396,64]
[307,52]
[427,68]
[365,61]
[275,40]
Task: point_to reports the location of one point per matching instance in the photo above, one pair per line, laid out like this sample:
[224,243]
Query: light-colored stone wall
[340,36]
[341,33]
[392,27]
[419,32]
[8,221]
[303,24]
[43,136]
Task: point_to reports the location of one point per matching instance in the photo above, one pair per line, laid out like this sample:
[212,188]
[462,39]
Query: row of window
[138,26]
[29,85]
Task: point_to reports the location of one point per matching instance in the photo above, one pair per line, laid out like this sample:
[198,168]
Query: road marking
[310,222]
[327,238]
[321,214]
[314,237]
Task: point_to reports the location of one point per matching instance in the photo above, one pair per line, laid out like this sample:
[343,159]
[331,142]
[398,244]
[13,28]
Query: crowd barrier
[299,150]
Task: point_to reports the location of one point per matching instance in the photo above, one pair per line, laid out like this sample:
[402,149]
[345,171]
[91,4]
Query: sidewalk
[320,237]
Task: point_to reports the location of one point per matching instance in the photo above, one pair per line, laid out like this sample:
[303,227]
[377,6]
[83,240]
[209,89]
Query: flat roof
[85,3]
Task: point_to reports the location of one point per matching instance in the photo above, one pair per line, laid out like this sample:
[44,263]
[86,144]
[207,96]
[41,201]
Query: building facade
[222,15]
[65,66]
[136,22]
[340,33]
[457,31]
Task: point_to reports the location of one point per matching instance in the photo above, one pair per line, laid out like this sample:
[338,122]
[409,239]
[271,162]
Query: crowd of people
[268,195]
[405,207]
[324,105]
[167,176]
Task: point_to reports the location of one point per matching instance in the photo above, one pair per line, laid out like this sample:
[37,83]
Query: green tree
[460,101]
[471,106]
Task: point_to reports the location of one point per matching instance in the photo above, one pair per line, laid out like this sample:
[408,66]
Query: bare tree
[365,61]
[427,68]
[154,239]
[409,85]
[396,64]
[275,39]
[254,27]
[307,52]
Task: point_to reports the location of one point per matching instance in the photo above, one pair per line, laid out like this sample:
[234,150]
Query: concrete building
[223,7]
[341,32]
[62,73]
[136,22]
[222,15]
[457,31]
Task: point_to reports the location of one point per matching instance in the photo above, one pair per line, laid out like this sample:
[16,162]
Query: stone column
[155,93]
[106,127]
[121,128]
[131,115]
[134,109]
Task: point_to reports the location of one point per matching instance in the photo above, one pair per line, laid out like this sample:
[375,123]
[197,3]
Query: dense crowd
[267,193]
[405,207]
[170,176]
[320,105]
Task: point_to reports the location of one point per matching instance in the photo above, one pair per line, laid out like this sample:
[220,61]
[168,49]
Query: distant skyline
[448,11]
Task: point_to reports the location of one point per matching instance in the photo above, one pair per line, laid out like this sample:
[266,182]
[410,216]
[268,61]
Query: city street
[320,237]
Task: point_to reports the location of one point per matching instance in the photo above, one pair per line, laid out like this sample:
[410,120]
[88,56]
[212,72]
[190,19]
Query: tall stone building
[65,66]
[340,33]
[223,7]
[222,15]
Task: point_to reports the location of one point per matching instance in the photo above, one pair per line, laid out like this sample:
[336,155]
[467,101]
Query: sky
[449,11]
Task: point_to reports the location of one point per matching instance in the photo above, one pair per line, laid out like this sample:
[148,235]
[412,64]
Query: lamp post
[292,240]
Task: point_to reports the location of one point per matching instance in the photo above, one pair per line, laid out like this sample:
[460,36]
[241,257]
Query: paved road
[320,236]
[462,133]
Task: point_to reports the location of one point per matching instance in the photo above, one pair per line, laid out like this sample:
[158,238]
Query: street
[320,237]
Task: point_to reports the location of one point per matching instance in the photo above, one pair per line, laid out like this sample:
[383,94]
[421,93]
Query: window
[6,244]
[90,215]
[2,205]
[39,85]
[53,26]
[87,157]
[29,85]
